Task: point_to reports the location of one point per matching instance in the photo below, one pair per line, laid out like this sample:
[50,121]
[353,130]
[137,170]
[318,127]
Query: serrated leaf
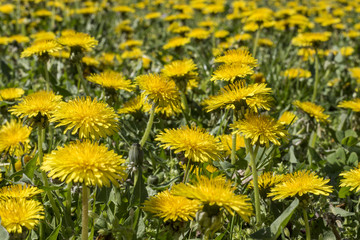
[349,141]
[4,235]
[353,159]
[30,168]
[344,192]
[341,212]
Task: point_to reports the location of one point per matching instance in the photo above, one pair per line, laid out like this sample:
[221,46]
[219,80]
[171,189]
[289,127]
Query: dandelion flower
[19,191]
[41,48]
[309,39]
[78,41]
[230,72]
[170,207]
[239,56]
[351,179]
[134,105]
[355,72]
[179,68]
[111,79]
[159,89]
[11,93]
[352,104]
[39,103]
[287,118]
[260,129]
[176,42]
[19,212]
[85,162]
[14,137]
[216,191]
[300,183]
[296,73]
[88,117]
[267,180]
[199,33]
[197,144]
[313,110]
[235,95]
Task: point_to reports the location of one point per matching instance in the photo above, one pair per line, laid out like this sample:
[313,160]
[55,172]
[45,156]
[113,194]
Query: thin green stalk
[187,172]
[232,226]
[41,132]
[233,147]
[256,40]
[85,216]
[47,78]
[316,76]
[220,131]
[255,179]
[312,144]
[81,77]
[148,126]
[307,227]
[68,199]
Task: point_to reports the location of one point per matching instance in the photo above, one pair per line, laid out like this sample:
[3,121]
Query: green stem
[41,132]
[233,147]
[148,126]
[232,227]
[68,199]
[307,227]
[84,216]
[255,179]
[47,79]
[187,172]
[316,76]
[220,131]
[256,40]
[312,145]
[81,77]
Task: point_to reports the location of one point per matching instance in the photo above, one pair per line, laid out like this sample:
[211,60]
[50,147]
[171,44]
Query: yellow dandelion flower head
[352,34]
[313,110]
[61,54]
[123,9]
[355,72]
[309,39]
[260,15]
[230,72]
[111,79]
[260,129]
[11,93]
[168,110]
[159,89]
[287,118]
[42,102]
[91,118]
[4,40]
[14,137]
[42,13]
[236,95]
[196,144]
[170,207]
[213,8]
[267,180]
[251,27]
[20,212]
[78,41]
[134,105]
[352,104]
[41,47]
[7,8]
[19,38]
[221,34]
[351,179]
[296,73]
[110,58]
[216,191]
[226,142]
[134,53]
[85,162]
[238,56]
[347,51]
[152,15]
[90,61]
[199,33]
[130,43]
[265,42]
[179,68]
[19,191]
[42,36]
[300,183]
[176,42]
